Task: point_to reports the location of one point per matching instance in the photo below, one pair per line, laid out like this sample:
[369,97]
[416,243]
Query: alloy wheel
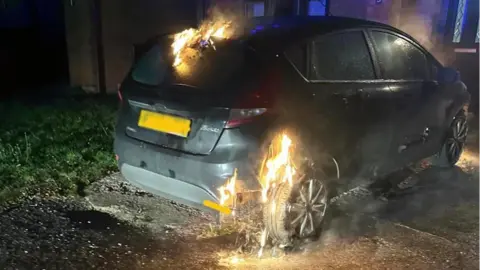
[308,207]
[455,142]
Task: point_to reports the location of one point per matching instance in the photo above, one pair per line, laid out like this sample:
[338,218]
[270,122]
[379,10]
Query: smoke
[417,21]
[228,11]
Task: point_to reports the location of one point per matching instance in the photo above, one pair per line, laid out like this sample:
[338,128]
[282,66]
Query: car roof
[269,33]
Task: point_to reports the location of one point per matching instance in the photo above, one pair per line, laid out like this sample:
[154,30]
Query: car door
[341,81]
[406,68]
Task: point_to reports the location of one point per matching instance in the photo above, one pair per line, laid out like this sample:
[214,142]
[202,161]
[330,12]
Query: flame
[236,260]
[279,169]
[227,191]
[220,33]
[180,41]
[275,164]
[192,37]
[263,242]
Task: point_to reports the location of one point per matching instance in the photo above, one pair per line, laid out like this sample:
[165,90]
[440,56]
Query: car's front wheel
[454,143]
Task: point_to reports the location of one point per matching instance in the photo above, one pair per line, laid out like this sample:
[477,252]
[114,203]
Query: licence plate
[164,123]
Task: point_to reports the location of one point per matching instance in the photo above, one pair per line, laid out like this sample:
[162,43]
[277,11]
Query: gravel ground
[433,226]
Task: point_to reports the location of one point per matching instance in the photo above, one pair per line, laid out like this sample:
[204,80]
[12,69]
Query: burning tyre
[296,212]
[295,194]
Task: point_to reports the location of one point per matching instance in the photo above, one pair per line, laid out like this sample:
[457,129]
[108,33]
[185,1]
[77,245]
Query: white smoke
[418,21]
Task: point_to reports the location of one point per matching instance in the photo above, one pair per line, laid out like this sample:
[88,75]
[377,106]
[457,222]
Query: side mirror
[448,75]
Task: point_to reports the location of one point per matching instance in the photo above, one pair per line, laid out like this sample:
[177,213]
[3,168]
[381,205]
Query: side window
[343,56]
[399,59]
[298,56]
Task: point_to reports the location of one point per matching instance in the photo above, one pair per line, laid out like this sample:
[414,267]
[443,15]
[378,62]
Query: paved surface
[433,226]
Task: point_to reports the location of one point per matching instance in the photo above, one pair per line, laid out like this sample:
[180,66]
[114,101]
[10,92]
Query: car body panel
[362,123]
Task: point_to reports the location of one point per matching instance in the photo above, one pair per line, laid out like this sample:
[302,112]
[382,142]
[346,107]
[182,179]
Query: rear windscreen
[208,69]
[151,68]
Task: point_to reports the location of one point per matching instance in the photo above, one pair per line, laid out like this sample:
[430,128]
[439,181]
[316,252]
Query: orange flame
[227,191]
[190,37]
[275,164]
[180,41]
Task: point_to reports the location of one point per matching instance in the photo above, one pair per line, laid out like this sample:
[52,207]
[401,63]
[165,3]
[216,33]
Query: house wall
[122,24]
[80,37]
[349,8]
[128,22]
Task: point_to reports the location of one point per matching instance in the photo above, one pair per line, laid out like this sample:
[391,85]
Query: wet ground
[435,225]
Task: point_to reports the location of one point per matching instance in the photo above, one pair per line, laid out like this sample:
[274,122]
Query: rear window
[206,70]
[151,68]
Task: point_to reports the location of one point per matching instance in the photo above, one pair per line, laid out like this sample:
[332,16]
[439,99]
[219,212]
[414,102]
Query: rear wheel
[298,211]
[454,143]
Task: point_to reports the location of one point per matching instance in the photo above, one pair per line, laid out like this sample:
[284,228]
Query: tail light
[255,103]
[239,117]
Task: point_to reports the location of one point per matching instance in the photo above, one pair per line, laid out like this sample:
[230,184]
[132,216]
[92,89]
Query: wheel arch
[454,110]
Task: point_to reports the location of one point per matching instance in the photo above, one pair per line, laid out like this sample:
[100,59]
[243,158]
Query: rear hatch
[187,107]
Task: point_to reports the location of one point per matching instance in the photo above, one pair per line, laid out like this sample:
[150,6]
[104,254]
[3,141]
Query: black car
[362,99]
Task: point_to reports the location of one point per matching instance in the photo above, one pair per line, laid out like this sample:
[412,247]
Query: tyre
[298,211]
[454,143]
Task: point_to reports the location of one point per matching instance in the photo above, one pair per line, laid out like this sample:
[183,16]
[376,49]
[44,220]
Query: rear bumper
[187,179]
[167,187]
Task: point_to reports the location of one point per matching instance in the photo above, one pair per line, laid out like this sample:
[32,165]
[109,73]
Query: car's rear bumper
[167,187]
[180,177]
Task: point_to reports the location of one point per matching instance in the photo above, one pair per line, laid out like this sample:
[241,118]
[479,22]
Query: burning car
[300,109]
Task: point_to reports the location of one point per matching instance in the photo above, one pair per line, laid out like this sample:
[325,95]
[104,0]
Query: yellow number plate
[164,123]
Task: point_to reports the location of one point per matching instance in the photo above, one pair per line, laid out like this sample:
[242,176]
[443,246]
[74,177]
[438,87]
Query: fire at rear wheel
[297,212]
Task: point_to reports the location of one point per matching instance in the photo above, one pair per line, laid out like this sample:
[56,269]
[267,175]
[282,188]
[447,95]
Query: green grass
[56,148]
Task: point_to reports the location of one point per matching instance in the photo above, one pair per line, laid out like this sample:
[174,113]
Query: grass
[56,148]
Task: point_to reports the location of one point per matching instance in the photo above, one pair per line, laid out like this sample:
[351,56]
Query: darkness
[33,49]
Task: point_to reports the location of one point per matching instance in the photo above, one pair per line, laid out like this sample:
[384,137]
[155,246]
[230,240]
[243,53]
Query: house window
[477,36]
[255,9]
[459,20]
[317,7]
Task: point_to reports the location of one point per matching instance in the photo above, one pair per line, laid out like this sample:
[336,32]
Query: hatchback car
[367,94]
